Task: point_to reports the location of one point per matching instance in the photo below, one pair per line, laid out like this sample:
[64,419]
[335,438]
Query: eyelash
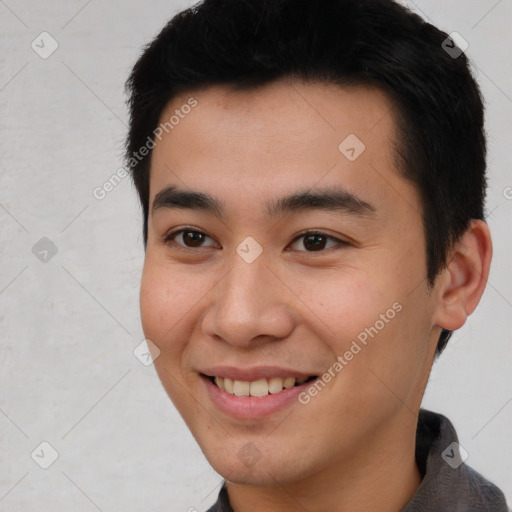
[169,237]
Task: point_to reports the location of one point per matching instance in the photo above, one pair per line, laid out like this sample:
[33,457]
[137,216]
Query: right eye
[187,238]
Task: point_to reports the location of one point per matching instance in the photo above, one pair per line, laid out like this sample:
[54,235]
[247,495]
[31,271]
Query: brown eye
[312,242]
[193,238]
[315,242]
[188,238]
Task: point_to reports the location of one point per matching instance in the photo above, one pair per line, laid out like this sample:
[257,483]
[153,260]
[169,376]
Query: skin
[352,446]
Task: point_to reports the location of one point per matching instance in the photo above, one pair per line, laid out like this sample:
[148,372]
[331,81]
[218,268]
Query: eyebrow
[329,199]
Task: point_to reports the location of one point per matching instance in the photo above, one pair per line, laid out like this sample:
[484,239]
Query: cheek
[152,301]
[379,327]
[164,300]
[172,298]
[345,302]
[164,303]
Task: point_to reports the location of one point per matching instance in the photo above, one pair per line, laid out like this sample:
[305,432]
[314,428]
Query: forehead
[282,113]
[267,140]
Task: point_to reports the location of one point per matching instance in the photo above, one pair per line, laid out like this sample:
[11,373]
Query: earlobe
[462,282]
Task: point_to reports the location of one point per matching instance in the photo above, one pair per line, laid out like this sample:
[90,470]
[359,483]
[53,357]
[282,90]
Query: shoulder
[448,482]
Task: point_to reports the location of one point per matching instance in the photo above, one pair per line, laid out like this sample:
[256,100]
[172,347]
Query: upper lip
[253,373]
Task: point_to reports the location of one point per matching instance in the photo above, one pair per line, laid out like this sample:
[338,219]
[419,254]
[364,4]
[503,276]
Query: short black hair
[439,112]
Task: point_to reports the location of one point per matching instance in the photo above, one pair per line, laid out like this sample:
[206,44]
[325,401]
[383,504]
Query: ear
[462,283]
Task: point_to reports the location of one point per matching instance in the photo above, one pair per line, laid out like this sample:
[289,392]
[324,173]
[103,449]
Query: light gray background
[69,326]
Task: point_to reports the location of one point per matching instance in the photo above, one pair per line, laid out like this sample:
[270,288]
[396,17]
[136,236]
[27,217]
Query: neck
[382,475]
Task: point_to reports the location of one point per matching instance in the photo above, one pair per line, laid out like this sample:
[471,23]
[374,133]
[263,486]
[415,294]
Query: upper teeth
[260,387]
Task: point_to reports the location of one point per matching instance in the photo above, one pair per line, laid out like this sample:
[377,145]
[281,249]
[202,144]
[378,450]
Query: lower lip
[253,407]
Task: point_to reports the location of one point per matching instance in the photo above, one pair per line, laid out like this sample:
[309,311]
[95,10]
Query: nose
[250,305]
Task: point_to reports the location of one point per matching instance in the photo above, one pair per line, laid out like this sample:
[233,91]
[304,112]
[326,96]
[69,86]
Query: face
[286,257]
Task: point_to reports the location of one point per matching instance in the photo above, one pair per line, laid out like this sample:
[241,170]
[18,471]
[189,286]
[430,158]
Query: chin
[256,476]
[265,470]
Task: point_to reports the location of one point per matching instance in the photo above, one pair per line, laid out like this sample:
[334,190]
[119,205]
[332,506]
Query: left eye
[313,241]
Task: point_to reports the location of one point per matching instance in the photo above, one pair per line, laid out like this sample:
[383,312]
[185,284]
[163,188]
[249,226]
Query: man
[312,178]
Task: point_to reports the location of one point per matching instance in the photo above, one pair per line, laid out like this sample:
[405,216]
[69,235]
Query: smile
[260,387]
[255,399]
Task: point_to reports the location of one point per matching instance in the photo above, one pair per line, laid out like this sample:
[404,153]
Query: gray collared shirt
[448,485]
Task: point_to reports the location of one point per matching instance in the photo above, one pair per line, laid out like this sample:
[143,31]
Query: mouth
[254,393]
[257,388]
